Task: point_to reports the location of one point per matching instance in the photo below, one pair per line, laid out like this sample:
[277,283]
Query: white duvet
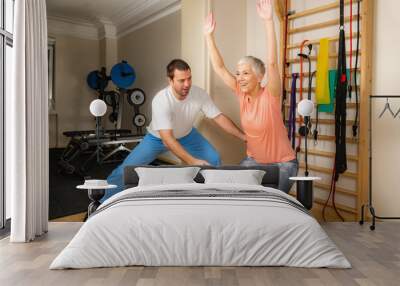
[200,231]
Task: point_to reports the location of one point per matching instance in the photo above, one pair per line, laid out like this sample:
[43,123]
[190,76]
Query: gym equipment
[315,132]
[304,130]
[301,64]
[123,75]
[136,96]
[292,111]
[307,121]
[302,56]
[332,87]
[341,92]
[139,120]
[285,63]
[100,143]
[98,80]
[324,15]
[111,98]
[322,82]
[81,143]
[356,119]
[340,165]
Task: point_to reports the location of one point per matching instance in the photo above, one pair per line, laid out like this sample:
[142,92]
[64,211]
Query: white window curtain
[27,124]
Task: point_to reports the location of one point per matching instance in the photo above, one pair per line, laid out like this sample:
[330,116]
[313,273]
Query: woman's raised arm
[265,11]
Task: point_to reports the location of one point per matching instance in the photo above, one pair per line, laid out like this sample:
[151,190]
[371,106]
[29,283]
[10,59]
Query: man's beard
[183,93]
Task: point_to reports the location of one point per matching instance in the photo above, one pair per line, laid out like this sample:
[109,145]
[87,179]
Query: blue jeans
[286,170]
[150,147]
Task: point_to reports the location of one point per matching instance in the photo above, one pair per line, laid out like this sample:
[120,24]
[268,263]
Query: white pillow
[248,177]
[166,176]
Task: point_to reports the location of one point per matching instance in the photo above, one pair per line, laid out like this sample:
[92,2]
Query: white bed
[247,226]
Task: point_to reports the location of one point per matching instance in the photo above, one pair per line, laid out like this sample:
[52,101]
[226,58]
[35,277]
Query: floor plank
[375,257]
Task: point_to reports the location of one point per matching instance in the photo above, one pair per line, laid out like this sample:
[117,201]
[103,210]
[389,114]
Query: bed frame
[270,179]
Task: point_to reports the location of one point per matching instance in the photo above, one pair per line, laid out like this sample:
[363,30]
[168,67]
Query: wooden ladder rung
[314,58]
[328,171]
[348,105]
[332,138]
[338,206]
[327,154]
[316,42]
[340,190]
[327,121]
[306,74]
[321,25]
[305,89]
[318,9]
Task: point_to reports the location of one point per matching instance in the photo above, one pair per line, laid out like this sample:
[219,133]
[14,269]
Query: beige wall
[108,53]
[193,46]
[256,42]
[149,50]
[232,46]
[74,58]
[386,131]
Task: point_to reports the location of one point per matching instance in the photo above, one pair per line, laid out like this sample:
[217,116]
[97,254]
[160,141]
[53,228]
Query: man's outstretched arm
[227,124]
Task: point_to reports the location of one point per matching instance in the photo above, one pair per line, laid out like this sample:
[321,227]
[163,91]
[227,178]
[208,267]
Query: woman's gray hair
[256,64]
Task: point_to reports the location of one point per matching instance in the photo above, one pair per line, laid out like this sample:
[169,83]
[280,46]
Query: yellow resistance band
[322,81]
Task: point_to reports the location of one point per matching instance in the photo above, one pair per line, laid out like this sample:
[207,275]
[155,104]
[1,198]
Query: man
[174,110]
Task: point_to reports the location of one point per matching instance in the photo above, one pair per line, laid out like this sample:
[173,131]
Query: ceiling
[88,9]
[116,12]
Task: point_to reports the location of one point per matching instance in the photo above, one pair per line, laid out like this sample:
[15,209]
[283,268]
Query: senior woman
[260,112]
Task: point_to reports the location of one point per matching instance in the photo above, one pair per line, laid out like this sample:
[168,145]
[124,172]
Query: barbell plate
[110,99]
[123,75]
[95,82]
[139,120]
[137,97]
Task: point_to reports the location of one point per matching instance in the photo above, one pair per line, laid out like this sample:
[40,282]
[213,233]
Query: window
[50,58]
[6,60]
[9,13]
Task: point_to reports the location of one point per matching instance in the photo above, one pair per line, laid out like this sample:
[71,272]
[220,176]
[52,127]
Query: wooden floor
[375,257]
[80,217]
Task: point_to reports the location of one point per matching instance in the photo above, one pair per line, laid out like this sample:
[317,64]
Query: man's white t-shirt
[168,112]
